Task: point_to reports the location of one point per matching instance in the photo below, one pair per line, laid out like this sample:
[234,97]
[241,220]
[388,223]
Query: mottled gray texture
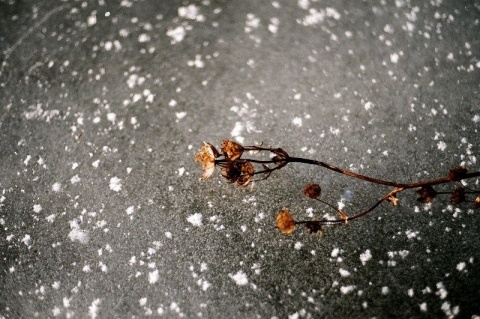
[102,111]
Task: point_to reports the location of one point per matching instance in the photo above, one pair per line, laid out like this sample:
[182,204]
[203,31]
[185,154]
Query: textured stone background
[104,104]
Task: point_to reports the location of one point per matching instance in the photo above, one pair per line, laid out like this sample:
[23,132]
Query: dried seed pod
[285,222]
[426,194]
[207,155]
[457,173]
[312,190]
[458,196]
[231,150]
[313,228]
[231,171]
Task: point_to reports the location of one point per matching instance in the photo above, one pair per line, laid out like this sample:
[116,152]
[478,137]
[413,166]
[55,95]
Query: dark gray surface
[94,91]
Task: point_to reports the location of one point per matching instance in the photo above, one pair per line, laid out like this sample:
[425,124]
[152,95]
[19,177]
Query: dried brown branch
[241,171]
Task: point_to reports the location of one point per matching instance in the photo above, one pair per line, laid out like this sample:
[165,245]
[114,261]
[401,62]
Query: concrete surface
[104,104]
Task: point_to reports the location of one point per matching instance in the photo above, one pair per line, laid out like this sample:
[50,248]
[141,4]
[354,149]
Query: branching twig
[241,171]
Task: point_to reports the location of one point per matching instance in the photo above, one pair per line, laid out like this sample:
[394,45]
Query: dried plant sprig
[241,171]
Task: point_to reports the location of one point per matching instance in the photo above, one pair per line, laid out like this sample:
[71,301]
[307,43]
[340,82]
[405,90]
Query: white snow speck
[476,118]
[347,289]
[77,234]
[29,157]
[180,115]
[93,309]
[461,266]
[153,276]
[441,292]
[195,219]
[423,307]
[304,4]
[298,245]
[115,184]
[130,210]
[190,12]
[343,272]
[92,20]
[394,57]
[366,256]
[176,34]
[37,208]
[240,278]
[335,252]
[442,145]
[385,290]
[56,187]
[75,179]
[111,117]
[297,121]
[368,105]
[142,38]
[95,163]
[27,240]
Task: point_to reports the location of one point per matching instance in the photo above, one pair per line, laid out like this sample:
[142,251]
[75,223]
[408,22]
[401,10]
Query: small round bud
[458,196]
[285,222]
[312,191]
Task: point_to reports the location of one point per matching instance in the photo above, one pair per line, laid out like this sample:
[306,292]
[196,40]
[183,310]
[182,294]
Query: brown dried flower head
[426,194]
[457,173]
[207,155]
[231,171]
[458,196]
[240,172]
[231,150]
[285,222]
[313,228]
[247,174]
[312,191]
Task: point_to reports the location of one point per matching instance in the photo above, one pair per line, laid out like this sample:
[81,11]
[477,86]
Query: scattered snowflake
[37,208]
[368,105]
[180,115]
[385,290]
[195,219]
[176,34]
[115,184]
[394,57]
[240,278]
[441,145]
[343,272]
[366,256]
[75,179]
[94,308]
[297,121]
[56,187]
[77,234]
[27,240]
[461,266]
[347,289]
[298,245]
[153,276]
